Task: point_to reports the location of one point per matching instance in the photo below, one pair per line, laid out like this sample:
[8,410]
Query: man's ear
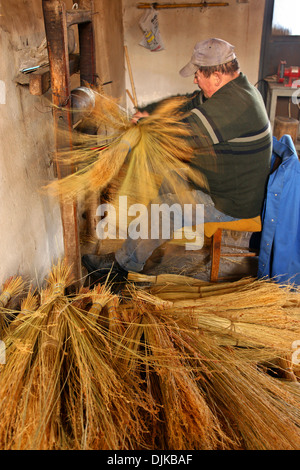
[218,78]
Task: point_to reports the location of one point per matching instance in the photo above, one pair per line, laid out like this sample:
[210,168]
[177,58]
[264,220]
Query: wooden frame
[57,20]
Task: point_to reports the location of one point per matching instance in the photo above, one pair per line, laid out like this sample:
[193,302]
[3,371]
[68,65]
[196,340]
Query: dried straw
[247,405]
[134,157]
[65,392]
[97,371]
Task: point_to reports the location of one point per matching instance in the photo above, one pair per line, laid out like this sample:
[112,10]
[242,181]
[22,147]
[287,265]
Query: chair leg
[215,255]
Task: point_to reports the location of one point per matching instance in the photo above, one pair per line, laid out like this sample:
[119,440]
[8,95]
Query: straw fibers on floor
[149,368]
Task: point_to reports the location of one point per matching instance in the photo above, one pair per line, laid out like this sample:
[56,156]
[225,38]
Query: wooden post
[87,46]
[215,255]
[88,75]
[57,42]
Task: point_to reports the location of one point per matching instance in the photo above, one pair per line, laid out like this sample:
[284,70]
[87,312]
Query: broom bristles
[134,158]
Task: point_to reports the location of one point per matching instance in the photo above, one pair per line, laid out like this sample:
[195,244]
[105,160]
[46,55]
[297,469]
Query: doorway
[281,45]
[280,38]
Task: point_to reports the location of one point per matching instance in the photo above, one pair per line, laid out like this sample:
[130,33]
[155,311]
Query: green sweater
[232,140]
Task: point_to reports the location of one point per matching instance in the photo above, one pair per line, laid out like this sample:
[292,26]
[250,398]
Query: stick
[158,6]
[130,96]
[131,77]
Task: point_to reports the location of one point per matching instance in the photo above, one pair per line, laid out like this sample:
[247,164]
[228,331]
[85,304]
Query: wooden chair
[214,230]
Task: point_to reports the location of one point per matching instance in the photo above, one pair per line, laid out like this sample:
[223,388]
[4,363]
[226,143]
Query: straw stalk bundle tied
[59,389]
[248,311]
[247,406]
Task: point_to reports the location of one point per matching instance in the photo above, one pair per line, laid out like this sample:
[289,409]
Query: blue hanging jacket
[279,255]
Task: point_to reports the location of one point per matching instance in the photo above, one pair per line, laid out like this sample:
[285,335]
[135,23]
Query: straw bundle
[30,402]
[255,312]
[134,157]
[252,410]
[97,371]
[59,389]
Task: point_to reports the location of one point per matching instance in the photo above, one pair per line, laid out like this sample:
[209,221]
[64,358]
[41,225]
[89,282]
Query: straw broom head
[156,146]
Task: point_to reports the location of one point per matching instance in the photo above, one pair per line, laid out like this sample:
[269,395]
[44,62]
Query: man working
[229,113]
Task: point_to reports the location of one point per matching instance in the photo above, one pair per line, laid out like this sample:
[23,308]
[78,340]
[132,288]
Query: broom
[135,158]
[247,312]
[102,406]
[38,421]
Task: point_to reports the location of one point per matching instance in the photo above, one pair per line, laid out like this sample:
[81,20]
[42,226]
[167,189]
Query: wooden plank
[88,75]
[56,33]
[239,255]
[39,82]
[87,47]
[74,63]
[159,6]
[78,16]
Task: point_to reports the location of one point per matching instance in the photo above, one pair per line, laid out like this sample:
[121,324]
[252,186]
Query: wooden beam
[57,42]
[215,255]
[87,49]
[78,16]
[40,81]
[87,46]
[158,6]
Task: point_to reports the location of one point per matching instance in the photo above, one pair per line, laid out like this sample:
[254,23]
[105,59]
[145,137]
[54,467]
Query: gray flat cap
[208,53]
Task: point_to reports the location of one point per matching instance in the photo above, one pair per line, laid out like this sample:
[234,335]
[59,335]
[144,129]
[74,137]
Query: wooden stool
[286,125]
[215,229]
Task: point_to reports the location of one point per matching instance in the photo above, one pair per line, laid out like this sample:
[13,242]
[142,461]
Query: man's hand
[138,115]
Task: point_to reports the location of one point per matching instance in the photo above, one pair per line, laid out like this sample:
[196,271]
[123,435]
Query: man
[229,114]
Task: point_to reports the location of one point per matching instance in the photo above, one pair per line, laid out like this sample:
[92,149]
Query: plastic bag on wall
[150,28]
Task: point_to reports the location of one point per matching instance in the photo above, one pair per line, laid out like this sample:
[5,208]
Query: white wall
[156,73]
[30,231]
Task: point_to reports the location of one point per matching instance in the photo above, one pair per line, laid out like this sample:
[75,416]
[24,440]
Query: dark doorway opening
[280,44]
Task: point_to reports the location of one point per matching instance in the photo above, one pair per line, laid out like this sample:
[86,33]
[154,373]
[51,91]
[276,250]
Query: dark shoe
[95,262]
[104,268]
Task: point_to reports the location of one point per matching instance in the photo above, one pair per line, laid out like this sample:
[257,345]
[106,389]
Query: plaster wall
[156,73]
[30,232]
[31,238]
